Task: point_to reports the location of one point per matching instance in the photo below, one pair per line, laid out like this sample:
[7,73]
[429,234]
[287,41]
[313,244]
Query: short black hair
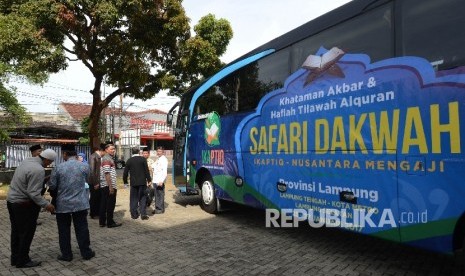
[34,148]
[69,149]
[146,149]
[108,145]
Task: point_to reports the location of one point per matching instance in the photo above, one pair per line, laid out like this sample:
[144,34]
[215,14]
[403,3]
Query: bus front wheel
[209,201]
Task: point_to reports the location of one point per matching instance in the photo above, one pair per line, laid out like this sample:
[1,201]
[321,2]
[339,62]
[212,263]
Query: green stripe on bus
[420,231]
[227,183]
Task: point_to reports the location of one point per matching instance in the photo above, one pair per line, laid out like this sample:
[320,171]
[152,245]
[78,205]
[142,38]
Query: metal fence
[15,154]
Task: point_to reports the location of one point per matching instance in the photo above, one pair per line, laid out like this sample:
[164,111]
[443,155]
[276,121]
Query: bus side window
[433,30]
[243,89]
[228,90]
[370,33]
[209,101]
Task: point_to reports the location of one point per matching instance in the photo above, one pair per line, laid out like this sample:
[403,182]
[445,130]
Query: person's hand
[149,184]
[160,184]
[96,186]
[112,191]
[50,208]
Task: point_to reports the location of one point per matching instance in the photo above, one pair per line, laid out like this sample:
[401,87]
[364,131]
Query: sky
[254,22]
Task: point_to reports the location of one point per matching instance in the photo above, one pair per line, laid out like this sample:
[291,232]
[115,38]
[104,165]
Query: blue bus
[357,111]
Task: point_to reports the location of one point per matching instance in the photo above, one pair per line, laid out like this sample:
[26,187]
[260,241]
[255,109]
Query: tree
[200,58]
[12,113]
[25,54]
[84,140]
[137,46]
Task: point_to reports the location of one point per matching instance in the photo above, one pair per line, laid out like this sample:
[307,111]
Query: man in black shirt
[137,168]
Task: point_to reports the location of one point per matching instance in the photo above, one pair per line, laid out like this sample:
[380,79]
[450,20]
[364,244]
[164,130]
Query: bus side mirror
[185,117]
[170,116]
[169,119]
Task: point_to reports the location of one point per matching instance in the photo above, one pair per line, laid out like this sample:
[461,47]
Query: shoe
[144,217]
[61,258]
[29,264]
[114,224]
[92,254]
[103,225]
[93,217]
[159,212]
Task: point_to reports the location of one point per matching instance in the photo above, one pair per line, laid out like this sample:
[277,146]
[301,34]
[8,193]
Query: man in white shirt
[160,172]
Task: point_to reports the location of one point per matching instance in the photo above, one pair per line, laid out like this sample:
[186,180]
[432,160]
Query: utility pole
[120,127]
[120,154]
[104,119]
[112,132]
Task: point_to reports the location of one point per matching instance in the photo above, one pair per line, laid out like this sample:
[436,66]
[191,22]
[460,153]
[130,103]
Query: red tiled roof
[151,111]
[77,111]
[80,111]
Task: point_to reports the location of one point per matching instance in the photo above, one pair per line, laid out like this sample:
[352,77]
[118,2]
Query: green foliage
[84,141]
[201,53]
[12,113]
[85,125]
[24,52]
[199,60]
[24,48]
[217,32]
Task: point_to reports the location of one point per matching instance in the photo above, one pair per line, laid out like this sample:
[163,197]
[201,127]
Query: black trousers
[81,229]
[138,201]
[94,201]
[23,218]
[159,197]
[107,206]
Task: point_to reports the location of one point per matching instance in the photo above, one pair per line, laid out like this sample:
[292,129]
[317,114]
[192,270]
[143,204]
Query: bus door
[180,166]
[357,191]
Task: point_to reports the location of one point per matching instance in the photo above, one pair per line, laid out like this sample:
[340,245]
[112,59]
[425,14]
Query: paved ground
[187,241]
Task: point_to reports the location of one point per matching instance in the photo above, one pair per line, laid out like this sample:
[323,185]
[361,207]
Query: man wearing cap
[72,202]
[24,202]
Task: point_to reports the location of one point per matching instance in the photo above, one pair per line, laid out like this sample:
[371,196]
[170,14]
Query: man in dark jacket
[95,162]
[137,168]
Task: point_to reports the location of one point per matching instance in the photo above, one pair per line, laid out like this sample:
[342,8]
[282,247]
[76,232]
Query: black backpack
[150,194]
